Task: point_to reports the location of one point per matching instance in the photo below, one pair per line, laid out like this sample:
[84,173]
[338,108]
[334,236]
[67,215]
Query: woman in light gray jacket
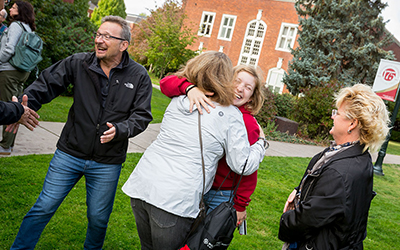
[166,185]
[12,80]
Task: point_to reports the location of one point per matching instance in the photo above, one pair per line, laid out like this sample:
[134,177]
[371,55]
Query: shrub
[395,136]
[313,111]
[268,111]
[284,104]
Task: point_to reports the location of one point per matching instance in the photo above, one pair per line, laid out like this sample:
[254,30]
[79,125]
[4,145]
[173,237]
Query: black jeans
[158,229]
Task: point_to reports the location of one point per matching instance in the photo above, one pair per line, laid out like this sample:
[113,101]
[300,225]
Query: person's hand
[109,134]
[28,118]
[198,97]
[289,205]
[241,216]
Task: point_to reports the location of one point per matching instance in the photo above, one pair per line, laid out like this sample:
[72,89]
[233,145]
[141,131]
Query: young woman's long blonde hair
[211,71]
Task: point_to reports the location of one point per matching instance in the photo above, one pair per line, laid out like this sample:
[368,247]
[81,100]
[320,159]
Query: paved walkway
[43,140]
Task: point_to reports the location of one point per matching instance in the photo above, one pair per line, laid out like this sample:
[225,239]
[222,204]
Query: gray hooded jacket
[169,174]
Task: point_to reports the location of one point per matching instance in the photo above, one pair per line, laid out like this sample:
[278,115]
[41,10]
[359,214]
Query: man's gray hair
[3,13]
[126,29]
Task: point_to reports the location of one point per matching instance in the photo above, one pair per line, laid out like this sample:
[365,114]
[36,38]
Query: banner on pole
[387,80]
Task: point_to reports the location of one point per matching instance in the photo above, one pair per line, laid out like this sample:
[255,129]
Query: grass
[21,179]
[57,109]
[393,148]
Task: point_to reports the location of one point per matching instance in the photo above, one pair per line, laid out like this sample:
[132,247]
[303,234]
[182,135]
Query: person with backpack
[12,80]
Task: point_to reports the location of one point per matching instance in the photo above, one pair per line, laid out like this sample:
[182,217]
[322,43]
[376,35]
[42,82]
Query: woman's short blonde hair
[211,71]
[361,103]
[258,97]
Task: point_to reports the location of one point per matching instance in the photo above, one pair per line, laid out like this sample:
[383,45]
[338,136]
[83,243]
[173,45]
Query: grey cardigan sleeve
[9,41]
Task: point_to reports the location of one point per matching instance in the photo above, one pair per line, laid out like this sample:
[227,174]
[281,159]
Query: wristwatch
[266,143]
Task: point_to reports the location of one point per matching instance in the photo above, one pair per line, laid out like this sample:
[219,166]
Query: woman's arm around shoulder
[172,86]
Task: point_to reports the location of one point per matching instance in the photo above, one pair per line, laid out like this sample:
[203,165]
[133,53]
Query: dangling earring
[349,131]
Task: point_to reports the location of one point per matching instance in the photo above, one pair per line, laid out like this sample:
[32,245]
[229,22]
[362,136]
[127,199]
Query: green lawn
[21,179]
[393,148]
[57,109]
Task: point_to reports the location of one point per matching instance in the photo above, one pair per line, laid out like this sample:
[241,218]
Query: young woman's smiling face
[244,88]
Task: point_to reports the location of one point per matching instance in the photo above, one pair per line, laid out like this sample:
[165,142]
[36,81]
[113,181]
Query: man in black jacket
[112,95]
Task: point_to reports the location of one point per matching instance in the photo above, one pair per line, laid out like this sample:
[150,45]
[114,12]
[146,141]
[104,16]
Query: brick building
[255,32]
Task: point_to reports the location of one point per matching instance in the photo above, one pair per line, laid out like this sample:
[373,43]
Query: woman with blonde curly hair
[329,209]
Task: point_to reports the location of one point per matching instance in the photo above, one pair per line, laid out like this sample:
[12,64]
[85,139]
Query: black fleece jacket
[334,203]
[127,105]
[10,112]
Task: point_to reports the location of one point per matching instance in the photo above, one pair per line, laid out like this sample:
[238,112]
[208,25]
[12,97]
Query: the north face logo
[129,85]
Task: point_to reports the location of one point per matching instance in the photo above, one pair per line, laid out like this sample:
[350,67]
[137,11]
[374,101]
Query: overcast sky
[391,12]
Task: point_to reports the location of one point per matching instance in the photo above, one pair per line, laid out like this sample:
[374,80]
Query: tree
[340,43]
[108,7]
[160,41]
[64,28]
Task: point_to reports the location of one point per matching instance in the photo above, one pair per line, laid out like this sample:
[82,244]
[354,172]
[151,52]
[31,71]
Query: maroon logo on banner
[389,74]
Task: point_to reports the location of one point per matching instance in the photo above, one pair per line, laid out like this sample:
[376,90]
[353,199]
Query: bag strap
[202,205]
[233,184]
[22,26]
[237,185]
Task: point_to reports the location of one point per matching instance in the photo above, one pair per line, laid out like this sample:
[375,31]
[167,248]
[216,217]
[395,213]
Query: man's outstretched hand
[28,118]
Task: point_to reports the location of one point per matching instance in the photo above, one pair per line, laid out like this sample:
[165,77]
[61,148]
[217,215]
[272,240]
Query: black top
[334,203]
[126,106]
[10,112]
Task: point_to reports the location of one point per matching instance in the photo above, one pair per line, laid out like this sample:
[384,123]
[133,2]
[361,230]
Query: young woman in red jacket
[249,99]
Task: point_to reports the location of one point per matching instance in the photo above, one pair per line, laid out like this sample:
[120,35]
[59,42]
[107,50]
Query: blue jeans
[159,229]
[213,198]
[64,172]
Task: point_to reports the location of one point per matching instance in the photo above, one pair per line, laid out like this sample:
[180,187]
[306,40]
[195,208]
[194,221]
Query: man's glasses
[107,37]
[335,112]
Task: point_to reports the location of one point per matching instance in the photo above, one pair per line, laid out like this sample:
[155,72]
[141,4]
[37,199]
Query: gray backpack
[28,51]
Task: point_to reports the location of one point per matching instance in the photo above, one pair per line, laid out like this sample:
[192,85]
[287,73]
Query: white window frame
[208,23]
[247,53]
[286,37]
[225,28]
[275,84]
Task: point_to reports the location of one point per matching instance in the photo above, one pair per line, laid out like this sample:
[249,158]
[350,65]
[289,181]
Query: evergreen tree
[64,28]
[160,40]
[108,7]
[340,43]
